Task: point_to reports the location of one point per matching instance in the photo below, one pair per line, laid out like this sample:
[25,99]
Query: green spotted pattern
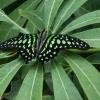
[26,44]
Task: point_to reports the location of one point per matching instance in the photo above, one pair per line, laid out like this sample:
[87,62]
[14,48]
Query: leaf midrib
[50,14]
[62,84]
[75,25]
[91,39]
[85,76]
[63,16]
[17,20]
[31,92]
[9,74]
[11,21]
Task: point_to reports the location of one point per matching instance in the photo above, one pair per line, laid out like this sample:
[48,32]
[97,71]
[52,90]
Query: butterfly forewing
[26,46]
[23,43]
[9,44]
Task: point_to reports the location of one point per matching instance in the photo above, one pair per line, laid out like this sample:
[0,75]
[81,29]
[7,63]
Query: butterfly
[31,46]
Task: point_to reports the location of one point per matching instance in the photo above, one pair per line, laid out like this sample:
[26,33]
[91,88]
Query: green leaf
[4,17]
[5,3]
[15,86]
[7,55]
[92,37]
[94,58]
[31,28]
[6,29]
[7,72]
[34,17]
[50,10]
[64,89]
[92,5]
[33,83]
[81,12]
[4,55]
[48,97]
[69,7]
[87,19]
[87,75]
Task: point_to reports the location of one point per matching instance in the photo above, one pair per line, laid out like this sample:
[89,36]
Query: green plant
[69,76]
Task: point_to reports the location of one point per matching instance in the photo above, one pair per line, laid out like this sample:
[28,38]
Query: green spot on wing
[63,42]
[29,41]
[24,41]
[34,40]
[20,41]
[58,41]
[15,42]
[47,42]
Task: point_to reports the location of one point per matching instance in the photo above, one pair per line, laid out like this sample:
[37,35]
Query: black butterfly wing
[23,43]
[49,50]
[69,42]
[26,43]
[14,43]
[9,44]
[55,43]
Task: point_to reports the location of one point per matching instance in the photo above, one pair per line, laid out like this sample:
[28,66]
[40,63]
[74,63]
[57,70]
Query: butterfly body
[32,46]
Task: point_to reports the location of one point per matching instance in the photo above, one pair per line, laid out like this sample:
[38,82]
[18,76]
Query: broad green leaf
[5,3]
[33,83]
[7,72]
[4,55]
[87,19]
[48,80]
[4,17]
[48,97]
[64,89]
[15,86]
[81,12]
[94,58]
[31,4]
[69,7]
[34,17]
[50,10]
[92,37]
[31,28]
[87,75]
[92,5]
[7,55]
[6,29]
[39,12]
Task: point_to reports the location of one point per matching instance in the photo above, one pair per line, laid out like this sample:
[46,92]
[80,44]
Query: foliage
[73,74]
